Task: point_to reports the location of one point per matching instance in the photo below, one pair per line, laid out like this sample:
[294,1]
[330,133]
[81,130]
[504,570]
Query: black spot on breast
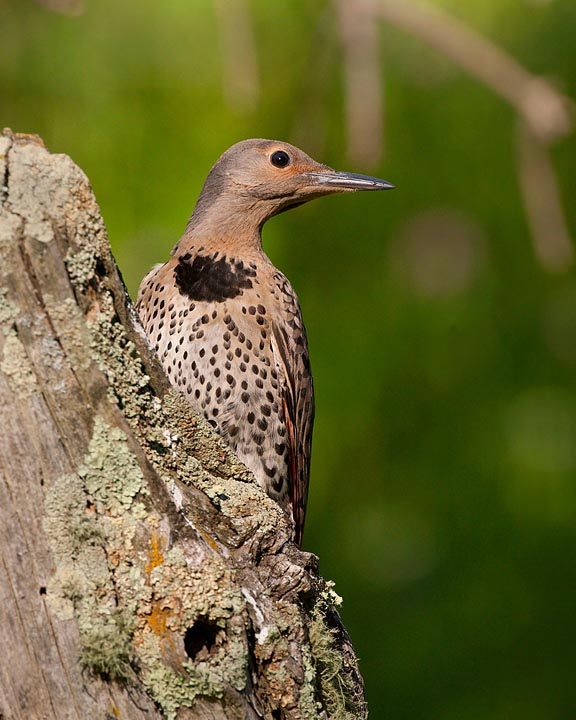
[211,280]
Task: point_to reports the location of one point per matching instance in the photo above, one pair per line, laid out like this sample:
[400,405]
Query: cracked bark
[143,573]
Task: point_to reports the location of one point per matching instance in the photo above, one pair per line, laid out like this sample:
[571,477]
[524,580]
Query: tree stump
[144,574]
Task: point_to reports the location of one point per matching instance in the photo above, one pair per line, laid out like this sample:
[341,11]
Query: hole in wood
[200,638]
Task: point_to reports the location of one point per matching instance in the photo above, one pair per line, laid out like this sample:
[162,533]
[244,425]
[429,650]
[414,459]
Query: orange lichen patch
[208,539]
[156,554]
[158,618]
[160,612]
[115,557]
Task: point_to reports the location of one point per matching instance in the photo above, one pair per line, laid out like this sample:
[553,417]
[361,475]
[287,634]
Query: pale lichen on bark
[170,572]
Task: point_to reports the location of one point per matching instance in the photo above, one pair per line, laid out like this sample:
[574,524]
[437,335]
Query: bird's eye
[280,159]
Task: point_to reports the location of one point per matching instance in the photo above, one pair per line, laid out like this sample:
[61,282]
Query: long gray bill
[348,181]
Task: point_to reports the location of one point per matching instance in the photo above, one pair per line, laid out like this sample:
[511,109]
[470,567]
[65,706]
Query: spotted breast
[230,336]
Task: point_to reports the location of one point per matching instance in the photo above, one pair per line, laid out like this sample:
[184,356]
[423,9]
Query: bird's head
[256,179]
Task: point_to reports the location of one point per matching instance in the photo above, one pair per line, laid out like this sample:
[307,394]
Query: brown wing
[298,405]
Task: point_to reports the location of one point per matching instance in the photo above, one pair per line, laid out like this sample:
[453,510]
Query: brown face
[280,172]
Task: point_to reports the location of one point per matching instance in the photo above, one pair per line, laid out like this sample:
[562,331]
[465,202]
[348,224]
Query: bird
[226,324]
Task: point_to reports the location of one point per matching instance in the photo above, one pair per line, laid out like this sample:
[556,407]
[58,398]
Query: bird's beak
[331,180]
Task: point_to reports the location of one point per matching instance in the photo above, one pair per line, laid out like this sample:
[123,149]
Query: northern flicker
[227,325]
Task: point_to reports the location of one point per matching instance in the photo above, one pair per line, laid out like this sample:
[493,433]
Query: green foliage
[443,491]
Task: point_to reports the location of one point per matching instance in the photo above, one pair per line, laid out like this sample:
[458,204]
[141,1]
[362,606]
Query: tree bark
[143,572]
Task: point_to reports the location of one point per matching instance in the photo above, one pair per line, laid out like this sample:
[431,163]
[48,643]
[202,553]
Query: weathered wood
[143,573]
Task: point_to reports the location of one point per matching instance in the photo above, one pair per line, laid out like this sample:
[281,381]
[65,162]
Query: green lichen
[328,596]
[329,666]
[205,593]
[335,686]
[115,354]
[14,362]
[217,458]
[16,366]
[134,610]
[67,522]
[129,387]
[91,519]
[309,704]
[109,458]
[171,690]
[81,264]
[107,648]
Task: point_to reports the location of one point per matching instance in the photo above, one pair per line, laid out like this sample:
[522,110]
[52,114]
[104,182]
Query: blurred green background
[443,491]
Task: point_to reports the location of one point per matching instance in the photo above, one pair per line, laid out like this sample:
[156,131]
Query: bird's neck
[227,226]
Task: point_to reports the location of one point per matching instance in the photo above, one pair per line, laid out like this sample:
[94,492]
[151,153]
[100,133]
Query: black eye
[280,159]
